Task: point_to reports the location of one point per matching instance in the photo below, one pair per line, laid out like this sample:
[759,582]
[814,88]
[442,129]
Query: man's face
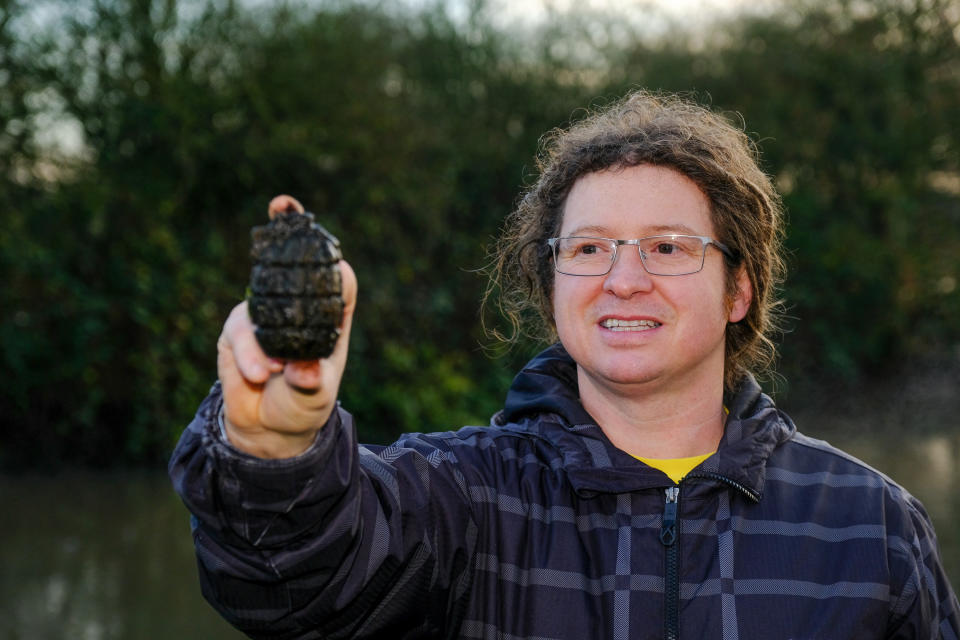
[681,320]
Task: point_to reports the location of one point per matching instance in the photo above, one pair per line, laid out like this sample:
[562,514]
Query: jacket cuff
[257,501]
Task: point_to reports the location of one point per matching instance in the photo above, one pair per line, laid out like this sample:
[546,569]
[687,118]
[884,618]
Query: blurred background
[141,139]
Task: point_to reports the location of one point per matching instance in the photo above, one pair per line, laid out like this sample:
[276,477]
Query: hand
[274,408]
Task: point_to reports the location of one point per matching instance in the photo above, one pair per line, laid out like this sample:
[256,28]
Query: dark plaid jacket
[537,527]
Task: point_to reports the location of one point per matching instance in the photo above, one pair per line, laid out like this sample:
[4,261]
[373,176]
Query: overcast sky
[649,15]
[534,10]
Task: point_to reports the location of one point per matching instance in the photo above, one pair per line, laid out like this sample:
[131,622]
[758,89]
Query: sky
[536,10]
[648,15]
[523,13]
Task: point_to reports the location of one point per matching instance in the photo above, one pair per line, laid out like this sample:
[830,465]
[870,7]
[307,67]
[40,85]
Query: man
[637,484]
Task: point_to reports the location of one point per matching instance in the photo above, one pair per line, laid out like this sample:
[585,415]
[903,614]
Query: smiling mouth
[629,325]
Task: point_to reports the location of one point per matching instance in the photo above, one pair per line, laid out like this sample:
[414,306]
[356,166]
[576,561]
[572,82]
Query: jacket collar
[544,401]
[547,384]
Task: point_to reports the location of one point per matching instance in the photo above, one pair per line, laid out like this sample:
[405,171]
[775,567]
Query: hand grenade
[296,298]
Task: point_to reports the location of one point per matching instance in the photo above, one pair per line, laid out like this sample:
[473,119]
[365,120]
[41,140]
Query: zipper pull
[668,534]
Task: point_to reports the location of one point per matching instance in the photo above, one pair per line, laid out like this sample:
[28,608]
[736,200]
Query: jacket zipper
[750,494]
[671,578]
[669,536]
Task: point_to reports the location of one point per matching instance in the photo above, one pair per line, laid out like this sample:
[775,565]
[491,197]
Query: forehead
[636,201]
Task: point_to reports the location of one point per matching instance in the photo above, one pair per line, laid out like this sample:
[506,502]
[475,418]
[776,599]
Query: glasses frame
[705,240]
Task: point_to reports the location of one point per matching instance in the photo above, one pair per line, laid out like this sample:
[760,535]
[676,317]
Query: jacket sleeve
[923,603]
[337,542]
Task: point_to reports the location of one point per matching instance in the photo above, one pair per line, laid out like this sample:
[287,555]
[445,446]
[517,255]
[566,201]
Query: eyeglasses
[668,255]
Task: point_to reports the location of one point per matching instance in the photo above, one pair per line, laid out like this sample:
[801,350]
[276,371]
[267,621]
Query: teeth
[629,325]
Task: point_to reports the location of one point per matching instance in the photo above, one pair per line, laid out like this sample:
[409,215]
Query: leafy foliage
[410,135]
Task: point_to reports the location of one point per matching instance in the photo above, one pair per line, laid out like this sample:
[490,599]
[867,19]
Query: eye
[583,249]
[588,249]
[666,248]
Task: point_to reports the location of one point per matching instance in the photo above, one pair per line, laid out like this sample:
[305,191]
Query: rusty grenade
[295,298]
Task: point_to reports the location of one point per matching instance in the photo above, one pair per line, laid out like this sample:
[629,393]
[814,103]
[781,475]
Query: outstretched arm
[301,533]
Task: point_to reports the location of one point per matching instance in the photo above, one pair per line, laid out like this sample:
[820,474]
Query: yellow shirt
[675,468]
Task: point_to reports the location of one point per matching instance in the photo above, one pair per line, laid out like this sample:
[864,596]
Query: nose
[628,275]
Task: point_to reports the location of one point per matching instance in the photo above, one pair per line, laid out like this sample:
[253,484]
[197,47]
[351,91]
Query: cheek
[708,305]
[560,304]
[560,296]
[568,301]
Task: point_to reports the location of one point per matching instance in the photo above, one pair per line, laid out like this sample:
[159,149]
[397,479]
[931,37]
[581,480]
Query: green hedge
[410,135]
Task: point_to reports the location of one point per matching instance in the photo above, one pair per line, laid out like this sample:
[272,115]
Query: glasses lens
[672,255]
[584,256]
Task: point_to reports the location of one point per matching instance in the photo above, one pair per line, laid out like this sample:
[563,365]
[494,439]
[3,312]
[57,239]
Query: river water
[109,556]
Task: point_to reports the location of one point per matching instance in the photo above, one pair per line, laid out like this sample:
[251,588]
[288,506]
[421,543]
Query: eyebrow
[655,230]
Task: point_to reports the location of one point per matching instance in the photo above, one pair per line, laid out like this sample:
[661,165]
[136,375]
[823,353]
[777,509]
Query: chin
[628,373]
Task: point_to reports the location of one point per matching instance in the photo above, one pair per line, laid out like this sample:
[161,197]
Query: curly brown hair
[663,130]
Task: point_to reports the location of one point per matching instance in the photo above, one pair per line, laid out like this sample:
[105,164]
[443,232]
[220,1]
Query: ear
[740,303]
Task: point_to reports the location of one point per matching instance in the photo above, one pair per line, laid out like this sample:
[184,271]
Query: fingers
[338,358]
[308,375]
[348,289]
[348,285]
[283,204]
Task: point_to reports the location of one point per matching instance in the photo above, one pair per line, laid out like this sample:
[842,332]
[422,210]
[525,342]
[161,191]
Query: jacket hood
[544,401]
